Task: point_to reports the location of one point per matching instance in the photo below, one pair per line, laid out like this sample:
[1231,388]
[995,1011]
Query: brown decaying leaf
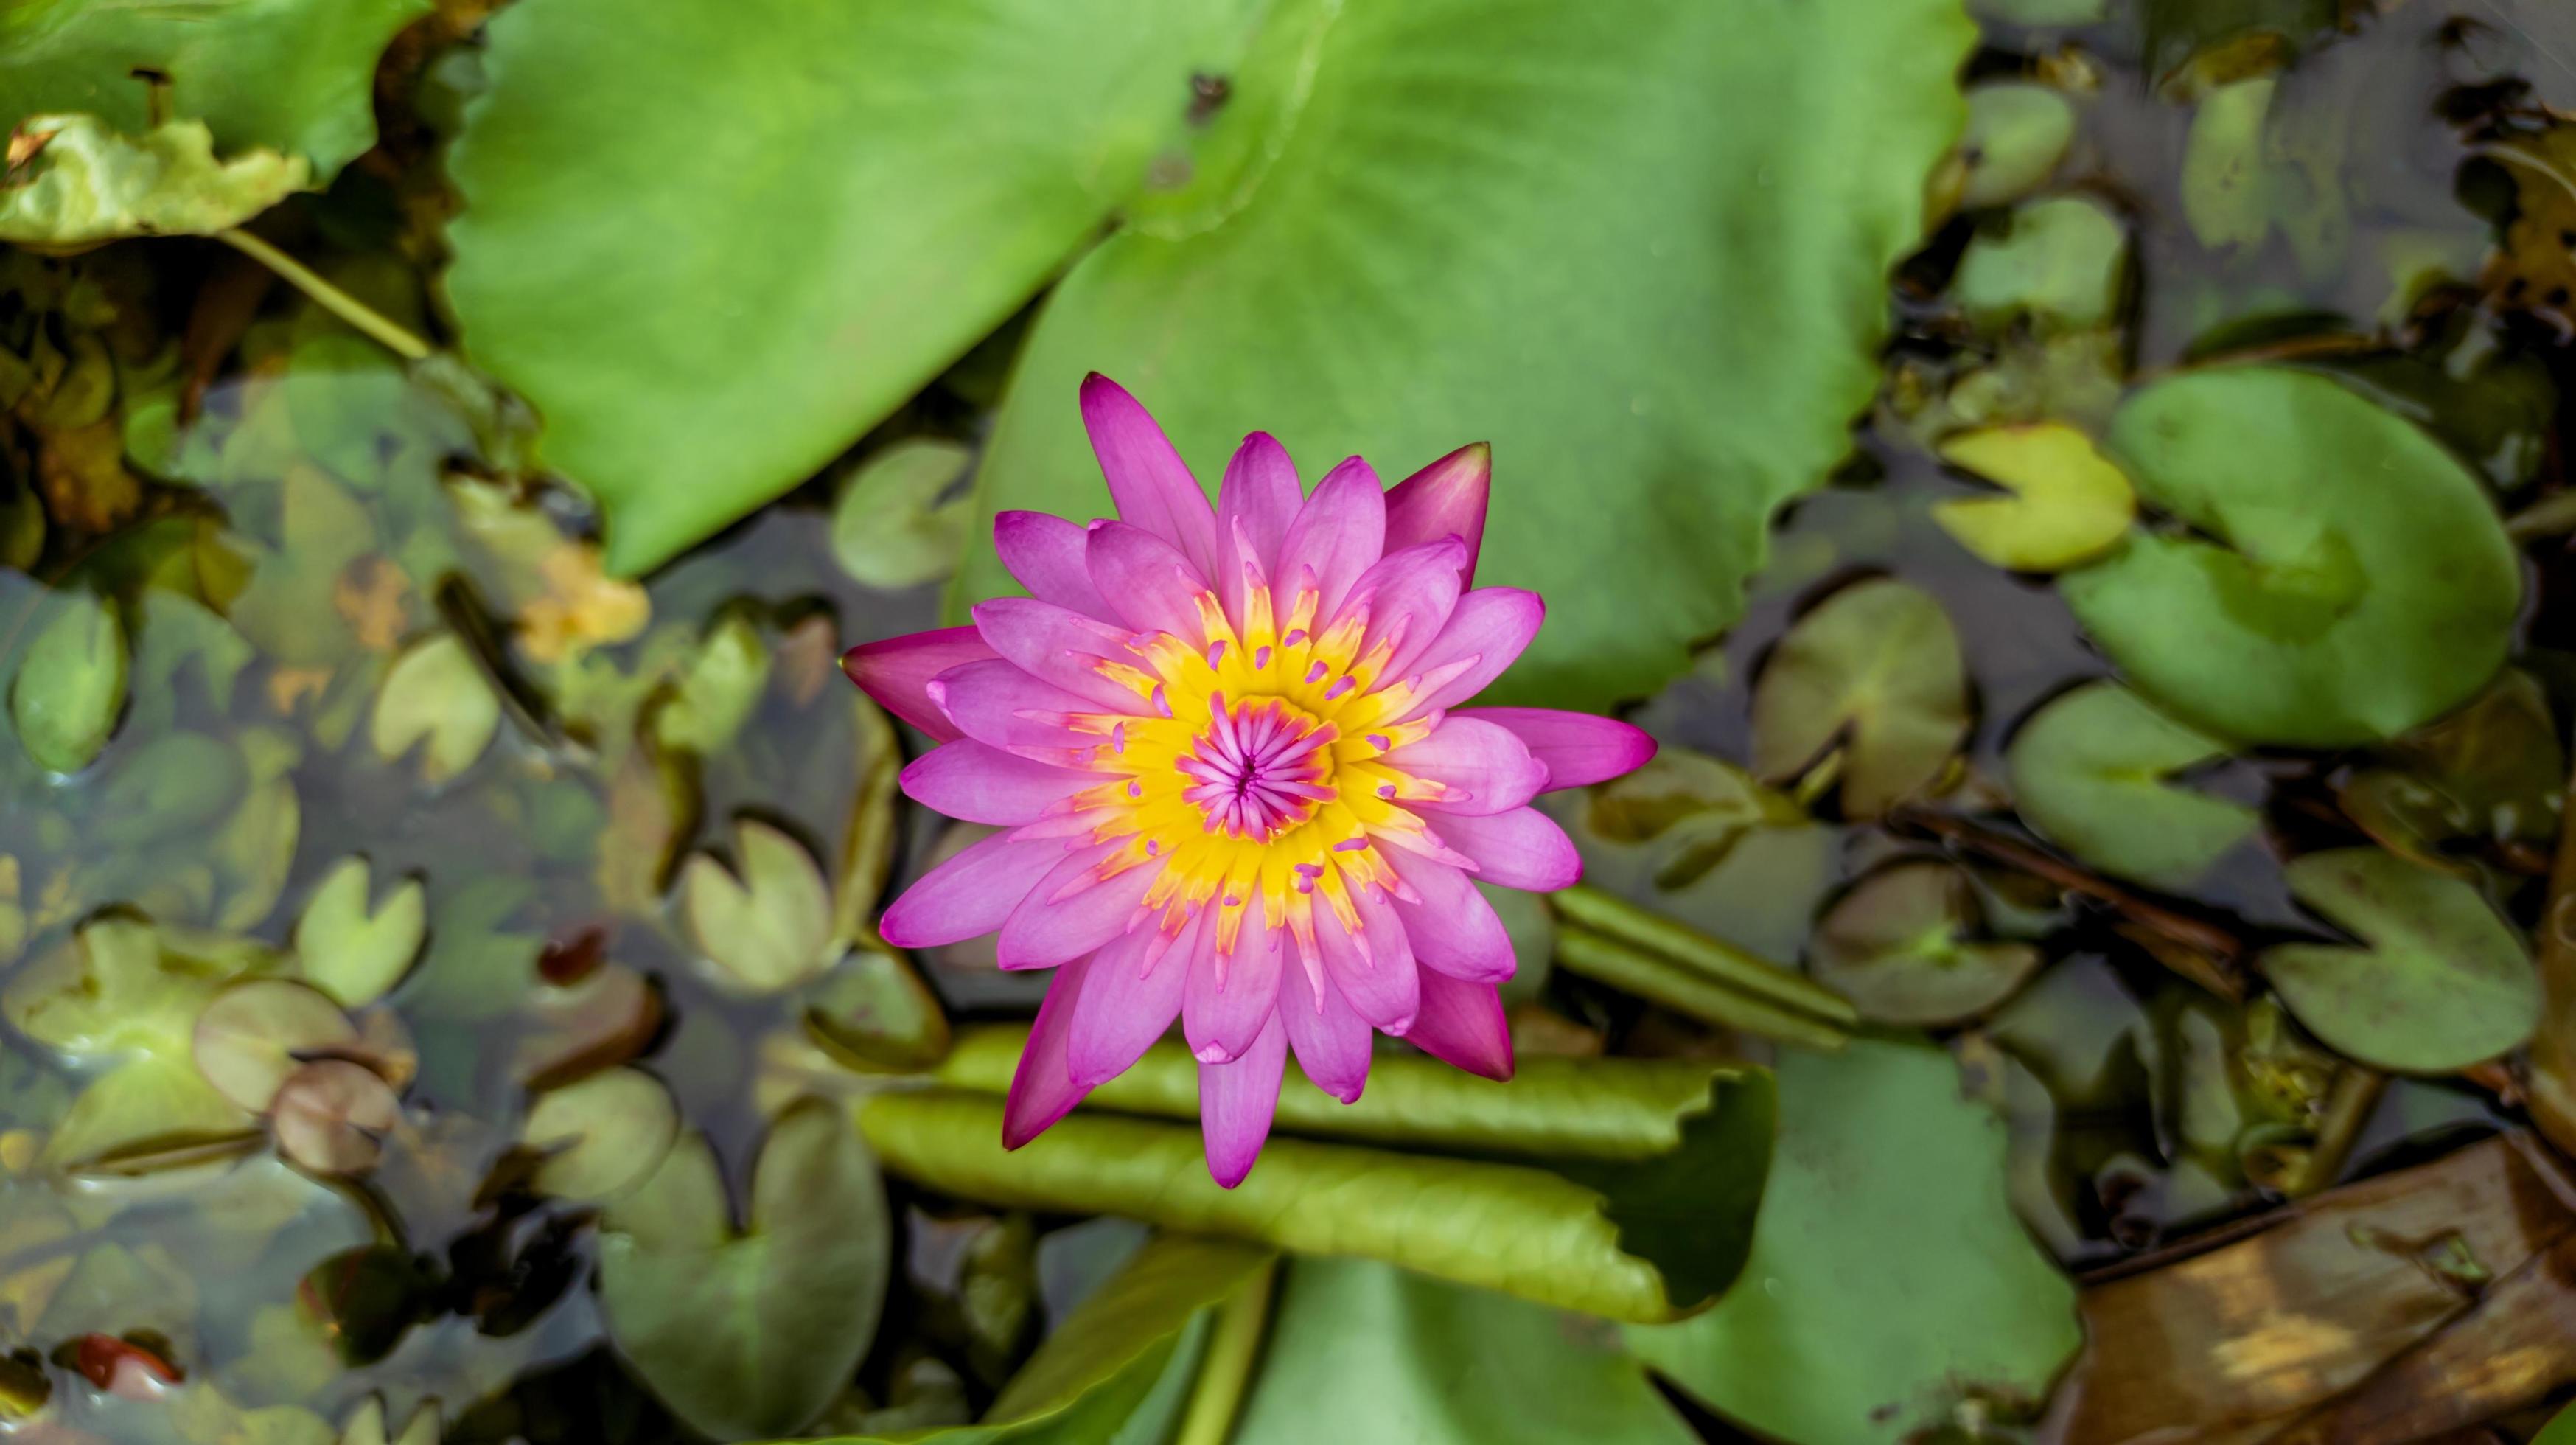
[2339,1313]
[331,1116]
[374,597]
[81,471]
[2551,1086]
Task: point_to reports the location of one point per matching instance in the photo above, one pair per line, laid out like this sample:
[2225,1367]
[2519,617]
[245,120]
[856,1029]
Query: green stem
[2551,516]
[1716,960]
[2349,1102]
[1658,979]
[1240,1324]
[329,297]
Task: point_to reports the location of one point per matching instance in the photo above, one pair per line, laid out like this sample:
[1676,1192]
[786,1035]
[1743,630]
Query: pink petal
[1150,586]
[1229,997]
[970,894]
[1129,1002]
[1061,647]
[1463,1024]
[1408,596]
[1443,499]
[1452,928]
[897,672]
[1042,1089]
[1236,1102]
[1052,925]
[1148,481]
[1331,1040]
[995,703]
[983,784]
[1373,969]
[1485,768]
[1254,505]
[1578,748]
[1523,848]
[1337,535]
[1046,553]
[1487,633]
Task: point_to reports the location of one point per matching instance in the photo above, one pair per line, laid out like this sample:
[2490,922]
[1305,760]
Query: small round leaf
[349,953]
[1876,667]
[254,1034]
[2089,772]
[1898,945]
[2070,504]
[601,1136]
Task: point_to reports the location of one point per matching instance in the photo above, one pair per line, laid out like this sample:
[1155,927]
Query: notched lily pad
[1875,668]
[769,929]
[750,1336]
[2017,132]
[890,527]
[2344,578]
[873,1013]
[718,688]
[70,682]
[602,1135]
[331,1116]
[2492,772]
[435,697]
[349,952]
[257,1033]
[1902,946]
[2070,502]
[2059,262]
[2091,771]
[2439,981]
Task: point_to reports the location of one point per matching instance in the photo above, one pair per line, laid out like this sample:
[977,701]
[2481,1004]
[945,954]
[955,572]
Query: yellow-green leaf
[2069,502]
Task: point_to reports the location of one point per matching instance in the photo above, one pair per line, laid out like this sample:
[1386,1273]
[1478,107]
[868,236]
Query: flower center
[1259,768]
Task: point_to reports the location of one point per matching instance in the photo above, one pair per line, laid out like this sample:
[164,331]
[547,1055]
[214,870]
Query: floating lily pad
[114,988]
[1890,1283]
[602,1135]
[176,784]
[873,1012]
[2058,262]
[750,1336]
[144,1105]
[354,955]
[1698,374]
[436,698]
[256,1033]
[2439,981]
[1366,1354]
[717,690]
[1875,669]
[769,929]
[2355,582]
[2090,771]
[1900,945]
[575,1029]
[331,1116]
[2017,132]
[90,183]
[70,682]
[2070,504]
[890,527]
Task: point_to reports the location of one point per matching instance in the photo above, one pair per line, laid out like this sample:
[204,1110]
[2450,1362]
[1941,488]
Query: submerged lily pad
[70,682]
[751,1335]
[717,689]
[602,1135]
[1890,1282]
[2069,504]
[890,529]
[2354,583]
[1900,945]
[1876,669]
[2017,132]
[354,955]
[873,1012]
[257,1033]
[769,929]
[2439,982]
[434,694]
[2090,771]
[2057,261]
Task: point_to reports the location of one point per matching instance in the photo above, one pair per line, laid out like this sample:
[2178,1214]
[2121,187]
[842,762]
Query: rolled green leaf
[1657,978]
[1615,917]
[1553,1108]
[1642,1237]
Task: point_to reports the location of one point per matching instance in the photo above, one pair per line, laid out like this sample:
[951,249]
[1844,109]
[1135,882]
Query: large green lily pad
[1889,1282]
[2440,983]
[1361,281]
[1365,1354]
[2343,578]
[709,300]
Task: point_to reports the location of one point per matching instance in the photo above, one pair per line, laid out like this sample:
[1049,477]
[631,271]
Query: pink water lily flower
[1235,782]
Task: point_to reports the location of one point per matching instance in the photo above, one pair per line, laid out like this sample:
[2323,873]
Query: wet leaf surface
[2070,502]
[2092,771]
[1874,668]
[2440,982]
[1902,946]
